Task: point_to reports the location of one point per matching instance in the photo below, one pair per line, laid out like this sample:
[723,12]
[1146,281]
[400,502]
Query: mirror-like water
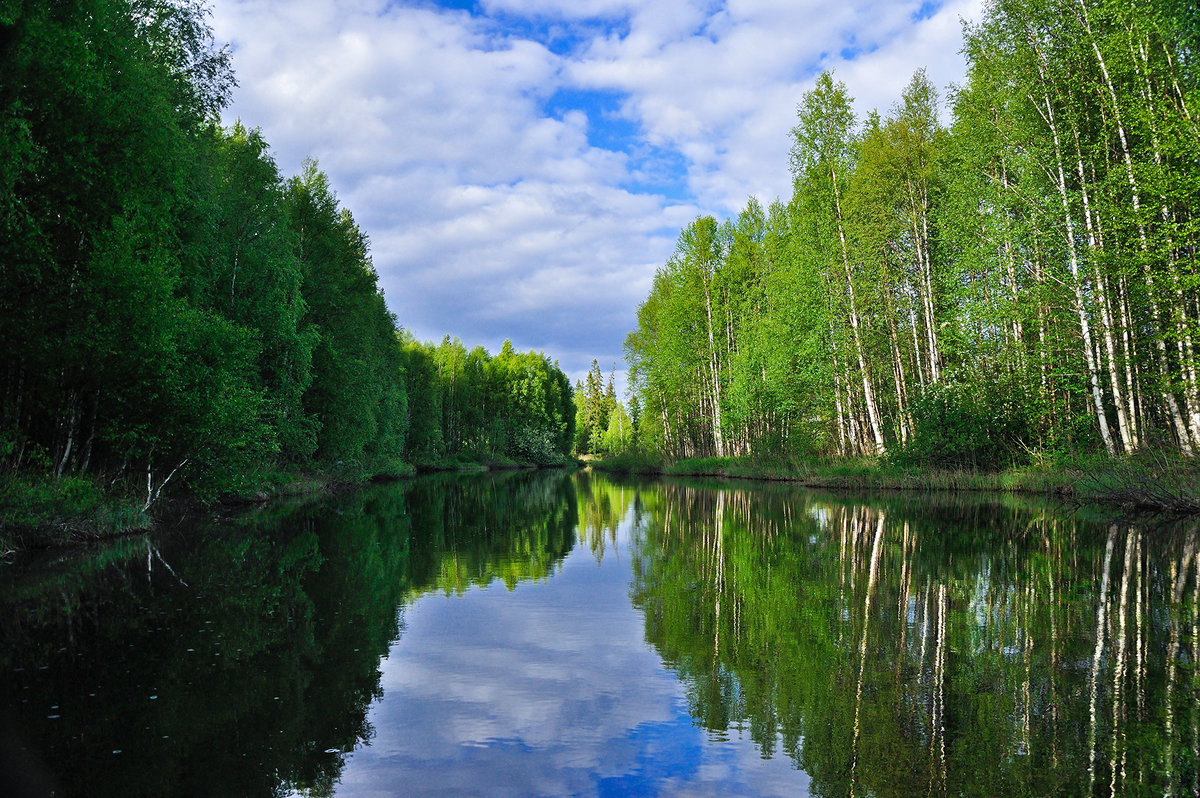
[559,634]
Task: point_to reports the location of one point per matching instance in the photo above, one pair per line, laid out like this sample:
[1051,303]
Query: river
[551,633]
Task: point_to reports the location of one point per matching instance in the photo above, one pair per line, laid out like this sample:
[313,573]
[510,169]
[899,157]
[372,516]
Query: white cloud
[560,9]
[491,217]
[549,689]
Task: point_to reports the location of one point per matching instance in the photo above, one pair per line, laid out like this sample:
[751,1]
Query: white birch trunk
[1095,244]
[1171,406]
[868,390]
[716,374]
[1076,281]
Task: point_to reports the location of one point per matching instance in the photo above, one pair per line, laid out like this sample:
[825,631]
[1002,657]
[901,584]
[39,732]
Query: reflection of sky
[549,689]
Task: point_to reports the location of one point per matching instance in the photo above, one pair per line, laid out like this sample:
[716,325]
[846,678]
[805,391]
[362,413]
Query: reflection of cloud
[503,198]
[548,689]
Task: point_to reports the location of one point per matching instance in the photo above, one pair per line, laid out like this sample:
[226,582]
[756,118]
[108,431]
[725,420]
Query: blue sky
[522,167]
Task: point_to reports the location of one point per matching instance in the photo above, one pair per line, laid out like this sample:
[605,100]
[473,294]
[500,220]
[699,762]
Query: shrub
[959,426]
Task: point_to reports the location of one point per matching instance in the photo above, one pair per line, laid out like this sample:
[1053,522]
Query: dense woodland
[175,310]
[1021,284]
[602,425]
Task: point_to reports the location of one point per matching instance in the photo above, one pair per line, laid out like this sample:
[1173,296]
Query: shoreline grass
[38,511]
[1147,482]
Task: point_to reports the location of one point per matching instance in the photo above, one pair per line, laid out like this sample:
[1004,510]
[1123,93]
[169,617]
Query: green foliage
[620,435]
[1020,284]
[957,426]
[594,404]
[37,511]
[176,315]
[469,407]
[632,461]
[358,393]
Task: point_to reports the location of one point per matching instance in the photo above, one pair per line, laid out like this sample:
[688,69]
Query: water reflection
[905,647]
[554,634]
[242,660]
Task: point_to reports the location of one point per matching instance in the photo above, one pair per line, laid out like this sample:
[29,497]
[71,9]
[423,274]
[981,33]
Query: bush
[533,444]
[36,509]
[959,426]
[632,461]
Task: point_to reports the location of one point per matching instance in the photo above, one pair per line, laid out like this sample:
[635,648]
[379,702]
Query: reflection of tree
[603,504]
[513,527]
[901,647]
[249,667]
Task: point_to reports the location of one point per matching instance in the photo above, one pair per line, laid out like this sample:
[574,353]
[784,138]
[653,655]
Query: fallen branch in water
[1154,484]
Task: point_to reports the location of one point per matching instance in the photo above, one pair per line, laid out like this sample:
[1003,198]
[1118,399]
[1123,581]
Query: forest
[176,314]
[1019,285]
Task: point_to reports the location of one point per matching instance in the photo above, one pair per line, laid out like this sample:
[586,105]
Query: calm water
[558,634]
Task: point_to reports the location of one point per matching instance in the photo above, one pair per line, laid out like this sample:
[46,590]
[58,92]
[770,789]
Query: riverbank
[1146,482]
[39,511]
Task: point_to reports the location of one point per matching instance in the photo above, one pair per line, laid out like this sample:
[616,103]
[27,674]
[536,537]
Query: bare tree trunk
[843,443]
[1096,244]
[1076,282]
[868,390]
[920,232]
[1183,325]
[153,493]
[1010,266]
[1043,341]
[920,366]
[1129,354]
[1170,405]
[898,369]
[718,442]
[91,435]
[71,425]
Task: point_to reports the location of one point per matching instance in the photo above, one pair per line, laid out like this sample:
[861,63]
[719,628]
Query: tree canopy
[1019,283]
[176,310]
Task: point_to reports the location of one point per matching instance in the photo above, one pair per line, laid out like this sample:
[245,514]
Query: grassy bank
[1144,482]
[39,511]
[468,463]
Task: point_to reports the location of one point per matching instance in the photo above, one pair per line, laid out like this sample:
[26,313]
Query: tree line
[1020,283]
[176,310]
[602,425]
[475,407]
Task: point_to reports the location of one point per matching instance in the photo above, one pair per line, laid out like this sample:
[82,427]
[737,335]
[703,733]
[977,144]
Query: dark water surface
[559,634]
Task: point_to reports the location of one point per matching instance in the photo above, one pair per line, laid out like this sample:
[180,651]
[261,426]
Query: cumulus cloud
[522,168]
